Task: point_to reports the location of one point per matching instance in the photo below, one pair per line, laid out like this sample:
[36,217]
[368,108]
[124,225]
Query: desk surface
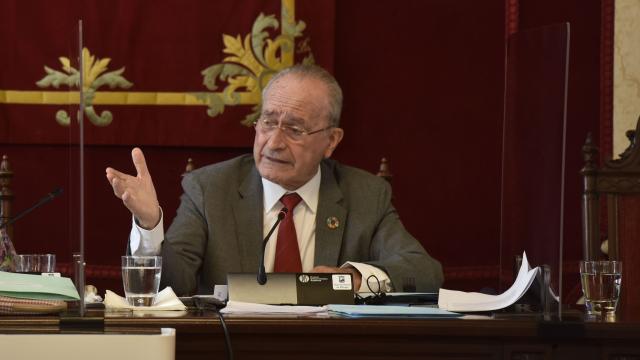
[199,336]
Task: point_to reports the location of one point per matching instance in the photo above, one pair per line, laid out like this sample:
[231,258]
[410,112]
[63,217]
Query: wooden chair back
[6,195]
[617,181]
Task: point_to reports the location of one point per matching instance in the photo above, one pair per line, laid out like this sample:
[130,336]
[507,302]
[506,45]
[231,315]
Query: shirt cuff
[383,284]
[146,242]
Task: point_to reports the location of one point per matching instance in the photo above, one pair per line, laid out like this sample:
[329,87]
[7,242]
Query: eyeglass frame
[303,132]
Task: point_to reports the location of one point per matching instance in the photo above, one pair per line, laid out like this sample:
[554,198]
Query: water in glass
[602,291]
[141,279]
[141,284]
[601,280]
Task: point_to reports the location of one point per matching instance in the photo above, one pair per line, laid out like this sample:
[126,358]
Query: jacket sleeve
[398,253]
[183,248]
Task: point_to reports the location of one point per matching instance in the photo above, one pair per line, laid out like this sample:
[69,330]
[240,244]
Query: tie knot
[290,201]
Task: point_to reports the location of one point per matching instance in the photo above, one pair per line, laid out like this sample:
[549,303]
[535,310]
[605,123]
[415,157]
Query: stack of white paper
[238,307]
[466,302]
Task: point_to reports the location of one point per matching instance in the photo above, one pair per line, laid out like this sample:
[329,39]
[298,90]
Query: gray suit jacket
[218,228]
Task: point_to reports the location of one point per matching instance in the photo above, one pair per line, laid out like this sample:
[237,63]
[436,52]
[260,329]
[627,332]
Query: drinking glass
[141,279]
[601,286]
[35,263]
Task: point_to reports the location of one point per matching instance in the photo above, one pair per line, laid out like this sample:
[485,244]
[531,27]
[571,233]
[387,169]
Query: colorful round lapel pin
[333,222]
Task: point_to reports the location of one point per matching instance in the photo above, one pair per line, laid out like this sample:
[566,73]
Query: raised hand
[137,192]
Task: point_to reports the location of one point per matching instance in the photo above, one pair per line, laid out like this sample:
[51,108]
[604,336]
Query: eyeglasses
[293,132]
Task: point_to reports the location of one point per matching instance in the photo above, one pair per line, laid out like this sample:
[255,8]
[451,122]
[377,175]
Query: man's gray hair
[316,72]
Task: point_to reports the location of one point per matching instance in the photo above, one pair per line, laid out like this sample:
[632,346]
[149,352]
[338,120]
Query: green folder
[25,286]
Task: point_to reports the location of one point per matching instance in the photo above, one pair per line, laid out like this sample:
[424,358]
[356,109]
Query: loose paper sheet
[238,307]
[453,300]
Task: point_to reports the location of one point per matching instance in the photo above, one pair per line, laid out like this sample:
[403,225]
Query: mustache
[274,156]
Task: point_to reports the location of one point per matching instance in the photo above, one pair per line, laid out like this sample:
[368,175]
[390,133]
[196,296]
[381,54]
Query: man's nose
[277,140]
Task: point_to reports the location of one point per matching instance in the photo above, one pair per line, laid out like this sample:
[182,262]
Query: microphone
[50,196]
[262,275]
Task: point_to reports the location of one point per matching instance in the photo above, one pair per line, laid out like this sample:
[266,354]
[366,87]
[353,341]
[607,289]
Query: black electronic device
[292,288]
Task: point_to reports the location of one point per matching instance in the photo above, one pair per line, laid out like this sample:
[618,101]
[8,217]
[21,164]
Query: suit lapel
[328,230]
[248,211]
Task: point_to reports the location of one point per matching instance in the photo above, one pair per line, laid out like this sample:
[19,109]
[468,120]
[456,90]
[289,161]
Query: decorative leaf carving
[258,34]
[66,64]
[309,60]
[63,118]
[233,45]
[94,78]
[103,119]
[56,78]
[210,74]
[113,79]
[222,72]
[253,62]
[251,119]
[96,70]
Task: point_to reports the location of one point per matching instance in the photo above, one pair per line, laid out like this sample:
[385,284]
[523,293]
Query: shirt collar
[309,193]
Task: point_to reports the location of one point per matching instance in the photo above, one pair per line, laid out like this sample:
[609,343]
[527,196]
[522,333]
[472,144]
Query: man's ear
[334,139]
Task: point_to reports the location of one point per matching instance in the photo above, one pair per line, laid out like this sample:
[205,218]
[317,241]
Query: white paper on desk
[239,307]
[470,301]
[165,300]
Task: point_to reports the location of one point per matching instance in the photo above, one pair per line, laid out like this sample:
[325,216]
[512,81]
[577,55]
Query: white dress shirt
[148,242]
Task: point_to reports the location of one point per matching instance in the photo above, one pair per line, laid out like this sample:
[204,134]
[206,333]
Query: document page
[453,300]
[238,307]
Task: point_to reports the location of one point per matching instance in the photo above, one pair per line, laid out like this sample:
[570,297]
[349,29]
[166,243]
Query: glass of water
[601,286]
[35,263]
[141,279]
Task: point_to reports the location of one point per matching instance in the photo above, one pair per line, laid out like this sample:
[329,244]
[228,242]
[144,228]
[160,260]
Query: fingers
[113,174]
[136,192]
[320,269]
[125,197]
[328,269]
[119,187]
[117,180]
[139,162]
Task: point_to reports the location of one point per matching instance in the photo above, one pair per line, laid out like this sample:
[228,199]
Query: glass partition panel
[76,161]
[38,130]
[533,164]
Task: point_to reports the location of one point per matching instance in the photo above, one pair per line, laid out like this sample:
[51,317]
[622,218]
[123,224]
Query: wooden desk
[200,336]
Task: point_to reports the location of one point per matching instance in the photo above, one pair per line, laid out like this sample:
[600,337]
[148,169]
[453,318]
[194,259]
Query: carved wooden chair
[616,178]
[6,195]
[619,181]
[385,170]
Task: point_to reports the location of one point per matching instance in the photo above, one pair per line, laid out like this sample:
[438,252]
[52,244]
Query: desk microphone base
[292,288]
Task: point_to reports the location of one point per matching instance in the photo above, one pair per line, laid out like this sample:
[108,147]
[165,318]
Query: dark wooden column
[6,195]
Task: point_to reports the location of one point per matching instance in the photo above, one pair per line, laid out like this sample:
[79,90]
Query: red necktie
[287,252]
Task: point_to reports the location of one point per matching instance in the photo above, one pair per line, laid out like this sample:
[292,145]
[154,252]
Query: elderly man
[341,217]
